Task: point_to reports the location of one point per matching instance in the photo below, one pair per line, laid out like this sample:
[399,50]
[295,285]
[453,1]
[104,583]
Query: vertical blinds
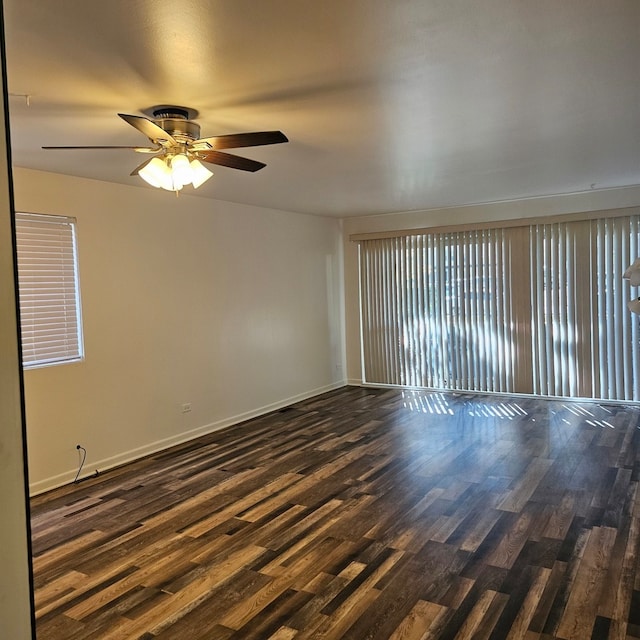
[436,308]
[616,334]
[538,309]
[48,289]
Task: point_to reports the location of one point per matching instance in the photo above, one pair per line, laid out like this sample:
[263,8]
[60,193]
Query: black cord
[84,457]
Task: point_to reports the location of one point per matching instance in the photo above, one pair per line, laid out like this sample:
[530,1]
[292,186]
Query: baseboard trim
[105,464]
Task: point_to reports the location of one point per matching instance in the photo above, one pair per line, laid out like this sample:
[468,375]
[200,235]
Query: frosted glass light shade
[199,173]
[157,174]
[180,171]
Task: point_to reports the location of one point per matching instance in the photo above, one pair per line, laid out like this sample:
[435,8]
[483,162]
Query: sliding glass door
[534,309]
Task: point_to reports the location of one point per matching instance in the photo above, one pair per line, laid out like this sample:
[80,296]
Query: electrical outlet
[186,407]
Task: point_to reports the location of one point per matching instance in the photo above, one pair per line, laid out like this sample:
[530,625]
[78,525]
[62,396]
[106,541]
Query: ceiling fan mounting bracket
[171,111]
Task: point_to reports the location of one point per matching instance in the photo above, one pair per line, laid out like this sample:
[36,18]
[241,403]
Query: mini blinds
[530,309]
[48,289]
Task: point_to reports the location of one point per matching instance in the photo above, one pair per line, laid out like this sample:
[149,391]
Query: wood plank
[579,615]
[418,621]
[521,624]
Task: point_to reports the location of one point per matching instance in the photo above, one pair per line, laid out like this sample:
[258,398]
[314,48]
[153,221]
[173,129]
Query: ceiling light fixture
[173,172]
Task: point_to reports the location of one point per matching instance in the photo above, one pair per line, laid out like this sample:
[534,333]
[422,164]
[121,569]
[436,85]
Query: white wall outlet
[186,407]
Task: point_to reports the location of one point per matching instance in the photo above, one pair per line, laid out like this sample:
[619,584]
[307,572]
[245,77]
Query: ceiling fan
[179,151]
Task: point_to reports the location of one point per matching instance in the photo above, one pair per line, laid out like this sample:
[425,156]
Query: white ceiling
[389,105]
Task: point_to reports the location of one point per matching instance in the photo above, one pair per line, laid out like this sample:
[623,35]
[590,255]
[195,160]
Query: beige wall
[235,309]
[519,209]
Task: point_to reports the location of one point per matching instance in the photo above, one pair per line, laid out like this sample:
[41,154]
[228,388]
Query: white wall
[513,210]
[235,309]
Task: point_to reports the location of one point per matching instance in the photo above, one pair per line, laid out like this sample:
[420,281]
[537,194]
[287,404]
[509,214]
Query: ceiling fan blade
[138,149]
[235,140]
[150,129]
[228,160]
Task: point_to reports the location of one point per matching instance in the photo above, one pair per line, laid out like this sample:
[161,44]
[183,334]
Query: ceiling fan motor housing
[175,121]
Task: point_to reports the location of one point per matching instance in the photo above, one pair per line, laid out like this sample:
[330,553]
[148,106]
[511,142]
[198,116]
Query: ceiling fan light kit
[174,172]
[180,150]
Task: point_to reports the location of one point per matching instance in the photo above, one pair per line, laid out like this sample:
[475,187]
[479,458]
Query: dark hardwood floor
[362,513]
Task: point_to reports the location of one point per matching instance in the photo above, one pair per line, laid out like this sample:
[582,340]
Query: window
[538,308]
[49,296]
